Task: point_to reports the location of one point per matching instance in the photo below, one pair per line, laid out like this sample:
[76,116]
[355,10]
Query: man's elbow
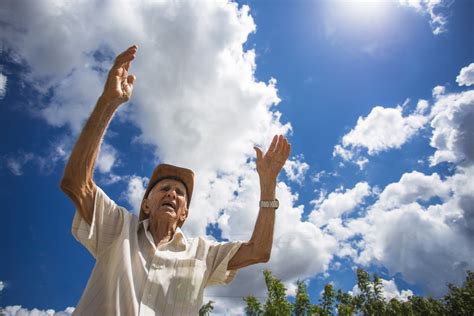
[74,188]
[263,256]
[69,185]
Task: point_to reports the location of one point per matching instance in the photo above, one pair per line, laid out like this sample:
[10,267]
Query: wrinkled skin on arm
[269,165]
[77,181]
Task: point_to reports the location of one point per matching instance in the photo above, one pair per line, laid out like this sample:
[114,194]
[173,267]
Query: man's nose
[171,193]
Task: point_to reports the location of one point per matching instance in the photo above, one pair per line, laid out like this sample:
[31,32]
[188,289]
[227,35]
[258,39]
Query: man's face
[167,201]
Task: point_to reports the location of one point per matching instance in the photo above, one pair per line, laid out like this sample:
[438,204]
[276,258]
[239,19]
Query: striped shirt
[134,277]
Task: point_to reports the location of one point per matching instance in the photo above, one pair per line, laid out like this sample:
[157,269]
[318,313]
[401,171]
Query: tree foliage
[368,300]
[206,309]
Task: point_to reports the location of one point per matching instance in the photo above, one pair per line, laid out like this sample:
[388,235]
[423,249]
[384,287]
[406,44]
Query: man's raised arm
[259,247]
[77,181]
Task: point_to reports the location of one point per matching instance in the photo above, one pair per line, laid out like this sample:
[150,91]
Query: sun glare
[363,13]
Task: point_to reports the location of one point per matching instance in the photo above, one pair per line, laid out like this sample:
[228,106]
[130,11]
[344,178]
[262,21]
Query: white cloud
[413,187]
[345,154]
[338,203]
[382,129]
[432,8]
[389,291]
[421,107]
[362,162]
[17,310]
[319,175]
[453,131]
[45,162]
[416,239]
[107,158]
[196,101]
[15,165]
[3,85]
[135,190]
[438,91]
[296,169]
[466,76]
[2,285]
[412,226]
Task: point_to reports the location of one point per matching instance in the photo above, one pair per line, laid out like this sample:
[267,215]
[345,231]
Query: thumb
[131,79]
[259,153]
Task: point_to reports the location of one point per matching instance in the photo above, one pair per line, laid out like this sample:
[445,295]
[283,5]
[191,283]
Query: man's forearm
[262,237]
[80,166]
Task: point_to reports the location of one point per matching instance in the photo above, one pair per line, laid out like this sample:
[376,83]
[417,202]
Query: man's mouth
[168,205]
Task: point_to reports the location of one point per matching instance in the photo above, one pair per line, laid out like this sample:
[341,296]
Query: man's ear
[183,216]
[146,206]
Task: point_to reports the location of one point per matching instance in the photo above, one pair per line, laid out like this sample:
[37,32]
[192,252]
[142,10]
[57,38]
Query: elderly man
[146,265]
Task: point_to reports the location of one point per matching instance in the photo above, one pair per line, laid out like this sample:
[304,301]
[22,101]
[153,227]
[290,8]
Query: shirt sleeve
[218,259]
[106,226]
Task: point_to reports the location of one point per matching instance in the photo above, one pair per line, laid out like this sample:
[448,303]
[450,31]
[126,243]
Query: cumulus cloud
[413,223]
[451,120]
[414,238]
[296,169]
[383,129]
[338,203]
[135,190]
[107,158]
[432,8]
[413,187]
[421,107]
[466,76]
[438,91]
[196,101]
[3,85]
[17,310]
[389,291]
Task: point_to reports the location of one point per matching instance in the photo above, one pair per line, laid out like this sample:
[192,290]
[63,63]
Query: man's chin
[168,214]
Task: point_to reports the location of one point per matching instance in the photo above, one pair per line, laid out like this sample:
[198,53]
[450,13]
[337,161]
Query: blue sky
[375,97]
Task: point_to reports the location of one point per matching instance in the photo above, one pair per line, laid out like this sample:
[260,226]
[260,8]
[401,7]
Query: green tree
[460,301]
[302,305]
[328,300]
[277,303]
[206,309]
[345,303]
[253,308]
[370,300]
[426,306]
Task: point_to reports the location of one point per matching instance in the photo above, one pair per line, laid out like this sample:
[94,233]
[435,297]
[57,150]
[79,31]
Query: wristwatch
[270,204]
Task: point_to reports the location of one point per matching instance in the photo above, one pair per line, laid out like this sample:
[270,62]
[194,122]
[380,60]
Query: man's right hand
[119,85]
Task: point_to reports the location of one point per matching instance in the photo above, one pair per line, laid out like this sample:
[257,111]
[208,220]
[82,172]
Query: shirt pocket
[187,281]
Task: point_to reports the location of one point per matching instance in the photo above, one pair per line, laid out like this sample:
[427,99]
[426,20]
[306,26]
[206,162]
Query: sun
[366,14]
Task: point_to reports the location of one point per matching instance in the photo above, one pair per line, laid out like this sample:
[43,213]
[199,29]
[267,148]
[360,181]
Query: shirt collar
[177,243]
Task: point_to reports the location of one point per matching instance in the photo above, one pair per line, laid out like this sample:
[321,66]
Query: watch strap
[270,204]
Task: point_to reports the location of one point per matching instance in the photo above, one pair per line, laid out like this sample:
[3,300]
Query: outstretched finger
[125,57]
[282,142]
[273,144]
[127,65]
[259,153]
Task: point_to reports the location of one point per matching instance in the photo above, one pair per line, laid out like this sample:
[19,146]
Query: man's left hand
[270,164]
